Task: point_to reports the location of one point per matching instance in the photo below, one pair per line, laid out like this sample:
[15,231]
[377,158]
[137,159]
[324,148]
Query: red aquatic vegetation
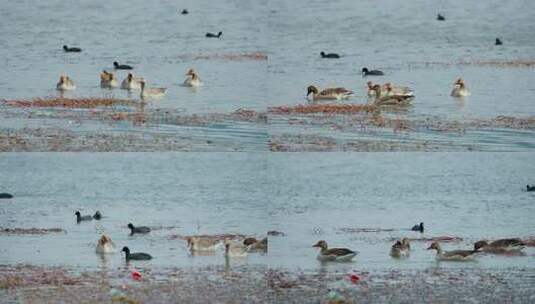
[323,108]
[91,102]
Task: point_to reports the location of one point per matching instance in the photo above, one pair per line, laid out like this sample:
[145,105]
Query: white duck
[151,92]
[131,82]
[108,80]
[460,89]
[235,250]
[455,255]
[334,254]
[192,79]
[105,245]
[202,244]
[328,94]
[65,84]
[401,248]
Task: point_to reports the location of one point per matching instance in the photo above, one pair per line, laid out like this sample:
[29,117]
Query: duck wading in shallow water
[65,84]
[151,92]
[401,248]
[105,245]
[108,80]
[334,254]
[192,79]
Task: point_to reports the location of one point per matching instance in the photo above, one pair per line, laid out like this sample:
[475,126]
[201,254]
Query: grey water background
[308,196]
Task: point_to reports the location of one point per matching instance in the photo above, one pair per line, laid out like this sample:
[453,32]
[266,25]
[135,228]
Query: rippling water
[308,196]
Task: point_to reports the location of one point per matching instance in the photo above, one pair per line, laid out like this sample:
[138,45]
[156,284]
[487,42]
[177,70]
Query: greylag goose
[334,254]
[455,255]
[328,94]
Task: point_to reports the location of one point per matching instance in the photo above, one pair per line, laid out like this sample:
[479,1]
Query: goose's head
[370,85]
[377,88]
[321,244]
[190,72]
[104,239]
[312,90]
[434,245]
[130,76]
[405,242]
[480,244]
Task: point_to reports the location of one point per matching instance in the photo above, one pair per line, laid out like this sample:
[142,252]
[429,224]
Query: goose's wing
[507,243]
[338,251]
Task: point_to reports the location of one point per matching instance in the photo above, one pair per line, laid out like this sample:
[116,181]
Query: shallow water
[308,196]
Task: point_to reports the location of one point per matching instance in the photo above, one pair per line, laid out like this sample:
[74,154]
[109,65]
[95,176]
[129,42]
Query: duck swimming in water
[459,89]
[131,82]
[151,92]
[140,229]
[65,84]
[105,245]
[71,49]
[202,244]
[212,35]
[97,215]
[192,79]
[108,80]
[455,255]
[80,218]
[118,66]
[334,254]
[328,94]
[441,17]
[366,72]
[401,248]
[500,246]
[135,256]
[418,227]
[498,42]
[390,99]
[256,245]
[329,55]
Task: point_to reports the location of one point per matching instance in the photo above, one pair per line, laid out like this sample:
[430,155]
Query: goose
[334,254]
[212,35]
[234,250]
[329,93]
[71,49]
[135,256]
[151,92]
[530,188]
[107,80]
[192,79]
[401,248]
[65,84]
[460,89]
[498,42]
[441,17]
[329,55]
[418,227]
[366,72]
[97,215]
[398,91]
[140,229]
[500,246]
[256,245]
[131,82]
[105,245]
[118,66]
[196,243]
[390,99]
[455,255]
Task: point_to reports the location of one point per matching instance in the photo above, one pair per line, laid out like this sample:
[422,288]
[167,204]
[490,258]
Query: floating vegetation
[23,231]
[51,102]
[331,108]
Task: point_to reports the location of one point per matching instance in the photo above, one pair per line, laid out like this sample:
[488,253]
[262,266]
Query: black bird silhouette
[440,17]
[184,12]
[212,35]
[72,49]
[329,55]
[498,42]
[118,66]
